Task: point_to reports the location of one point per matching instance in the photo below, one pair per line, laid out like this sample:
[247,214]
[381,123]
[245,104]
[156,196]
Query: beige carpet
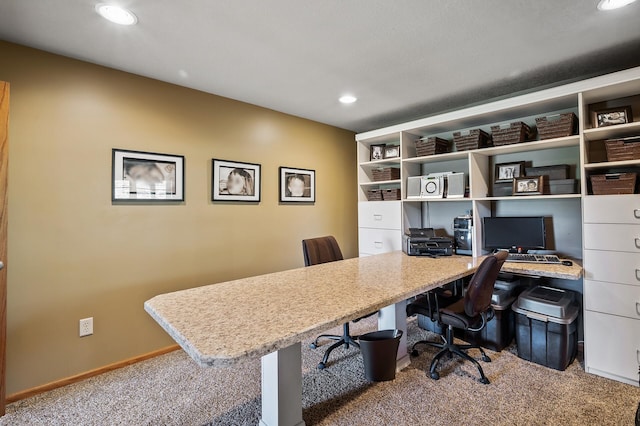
[173,390]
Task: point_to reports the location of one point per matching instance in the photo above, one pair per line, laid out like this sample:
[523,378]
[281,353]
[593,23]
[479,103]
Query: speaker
[455,185]
[432,187]
[413,186]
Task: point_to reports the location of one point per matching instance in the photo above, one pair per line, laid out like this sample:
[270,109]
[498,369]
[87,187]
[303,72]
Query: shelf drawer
[615,237]
[380,214]
[611,266]
[376,241]
[612,345]
[612,209]
[612,298]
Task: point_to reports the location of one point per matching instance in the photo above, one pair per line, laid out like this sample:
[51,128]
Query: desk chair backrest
[320,250]
[477,299]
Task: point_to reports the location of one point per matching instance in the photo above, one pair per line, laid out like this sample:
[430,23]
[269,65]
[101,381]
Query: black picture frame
[138,176]
[235,181]
[376,152]
[612,116]
[297,185]
[506,172]
[528,185]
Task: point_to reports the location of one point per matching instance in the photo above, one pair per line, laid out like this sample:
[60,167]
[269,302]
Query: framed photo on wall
[146,176]
[297,185]
[506,172]
[235,181]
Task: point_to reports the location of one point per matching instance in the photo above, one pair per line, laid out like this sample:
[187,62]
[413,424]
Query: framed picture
[377,152]
[235,181]
[297,185]
[532,185]
[506,172]
[146,176]
[612,116]
[391,151]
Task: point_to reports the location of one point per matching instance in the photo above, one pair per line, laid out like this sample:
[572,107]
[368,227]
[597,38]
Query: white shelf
[382,182]
[458,155]
[528,197]
[381,163]
[611,164]
[437,200]
[532,146]
[621,130]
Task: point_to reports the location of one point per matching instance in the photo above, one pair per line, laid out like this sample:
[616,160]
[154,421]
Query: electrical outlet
[86,327]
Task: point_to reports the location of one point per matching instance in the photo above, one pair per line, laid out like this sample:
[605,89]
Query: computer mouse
[567,262]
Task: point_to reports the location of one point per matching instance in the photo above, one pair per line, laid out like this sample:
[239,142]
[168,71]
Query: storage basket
[385,173]
[477,138]
[390,194]
[515,132]
[557,125]
[431,146]
[613,183]
[623,149]
[374,195]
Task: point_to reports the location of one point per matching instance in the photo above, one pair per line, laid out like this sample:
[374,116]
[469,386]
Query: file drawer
[612,209]
[612,346]
[612,237]
[611,266]
[376,241]
[617,299]
[380,214]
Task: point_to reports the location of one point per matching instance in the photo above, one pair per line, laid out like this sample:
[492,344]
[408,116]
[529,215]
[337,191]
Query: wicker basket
[385,173]
[623,149]
[513,133]
[477,138]
[391,194]
[374,195]
[557,125]
[614,183]
[431,146]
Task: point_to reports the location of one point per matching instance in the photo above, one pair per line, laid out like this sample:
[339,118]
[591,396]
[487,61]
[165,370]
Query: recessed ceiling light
[613,4]
[116,14]
[347,99]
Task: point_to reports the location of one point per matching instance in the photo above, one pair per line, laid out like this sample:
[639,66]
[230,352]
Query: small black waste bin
[379,352]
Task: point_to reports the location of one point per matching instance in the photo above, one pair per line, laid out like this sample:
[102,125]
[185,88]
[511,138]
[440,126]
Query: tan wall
[72,254]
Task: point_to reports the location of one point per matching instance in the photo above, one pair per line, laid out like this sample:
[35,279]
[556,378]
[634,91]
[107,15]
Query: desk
[290,306]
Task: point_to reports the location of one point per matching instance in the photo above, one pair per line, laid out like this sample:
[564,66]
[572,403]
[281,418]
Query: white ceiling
[403,59]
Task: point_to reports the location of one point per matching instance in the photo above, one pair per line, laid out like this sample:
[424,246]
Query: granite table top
[226,323]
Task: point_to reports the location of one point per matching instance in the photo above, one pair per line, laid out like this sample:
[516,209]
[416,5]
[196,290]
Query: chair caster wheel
[434,375]
[414,353]
[486,358]
[313,346]
[484,381]
[321,366]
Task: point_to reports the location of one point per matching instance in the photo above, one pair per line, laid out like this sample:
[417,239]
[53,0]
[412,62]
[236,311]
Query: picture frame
[391,151]
[376,152]
[138,176]
[506,172]
[235,181]
[297,185]
[612,116]
[528,185]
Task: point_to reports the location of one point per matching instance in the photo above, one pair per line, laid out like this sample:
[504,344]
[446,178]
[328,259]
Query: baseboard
[82,376]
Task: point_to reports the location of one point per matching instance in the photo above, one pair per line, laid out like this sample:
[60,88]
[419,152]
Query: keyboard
[533,258]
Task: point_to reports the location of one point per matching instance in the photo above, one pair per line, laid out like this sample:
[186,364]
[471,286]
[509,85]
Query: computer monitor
[516,234]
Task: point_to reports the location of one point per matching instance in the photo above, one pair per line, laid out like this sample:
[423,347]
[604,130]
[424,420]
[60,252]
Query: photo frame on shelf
[506,172]
[297,185]
[138,176]
[391,151]
[612,116]
[235,181]
[377,152]
[531,185]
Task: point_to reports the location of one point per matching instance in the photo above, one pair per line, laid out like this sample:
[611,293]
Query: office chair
[323,250]
[470,313]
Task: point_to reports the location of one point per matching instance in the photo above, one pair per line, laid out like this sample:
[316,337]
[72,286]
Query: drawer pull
[377,217]
[637,242]
[638,355]
[638,307]
[636,213]
[378,244]
[637,274]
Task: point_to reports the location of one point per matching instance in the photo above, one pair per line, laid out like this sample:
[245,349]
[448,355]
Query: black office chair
[323,250]
[470,313]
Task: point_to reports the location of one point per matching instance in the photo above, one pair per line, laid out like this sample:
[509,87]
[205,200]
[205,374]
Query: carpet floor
[172,390]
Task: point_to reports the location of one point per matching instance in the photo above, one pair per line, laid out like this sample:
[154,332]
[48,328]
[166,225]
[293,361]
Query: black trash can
[379,352]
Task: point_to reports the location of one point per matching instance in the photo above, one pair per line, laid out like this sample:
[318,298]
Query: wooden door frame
[4,163]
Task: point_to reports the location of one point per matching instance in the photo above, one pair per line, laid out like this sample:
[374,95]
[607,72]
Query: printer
[424,242]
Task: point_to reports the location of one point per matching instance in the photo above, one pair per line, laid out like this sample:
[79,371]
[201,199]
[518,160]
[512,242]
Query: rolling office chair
[323,250]
[470,313]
